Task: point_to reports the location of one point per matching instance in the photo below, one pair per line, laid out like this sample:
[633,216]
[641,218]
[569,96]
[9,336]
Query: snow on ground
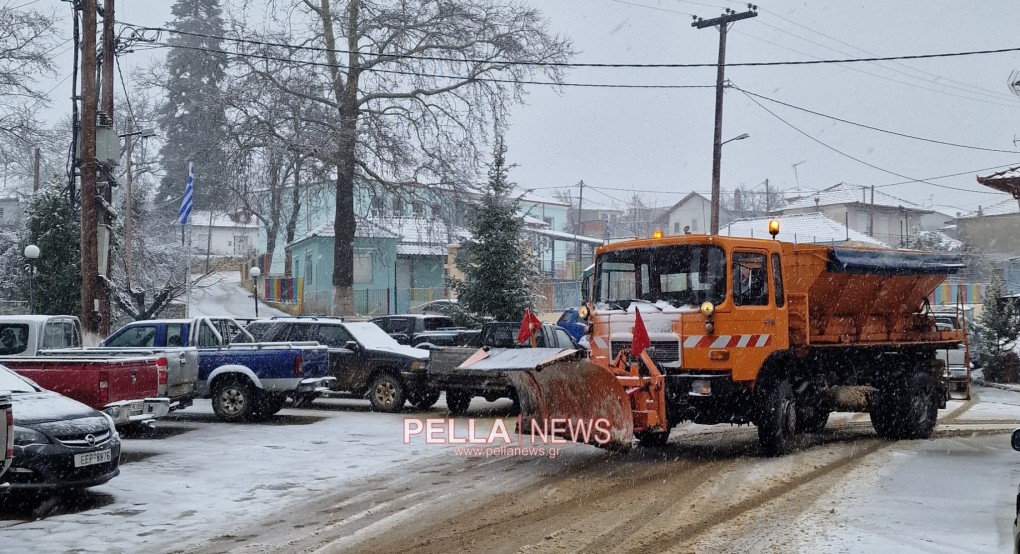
[197,477]
[223,296]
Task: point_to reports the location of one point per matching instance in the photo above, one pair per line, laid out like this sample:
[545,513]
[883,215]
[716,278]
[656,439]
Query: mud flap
[553,385]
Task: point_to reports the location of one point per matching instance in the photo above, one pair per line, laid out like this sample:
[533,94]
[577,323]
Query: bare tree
[409,91]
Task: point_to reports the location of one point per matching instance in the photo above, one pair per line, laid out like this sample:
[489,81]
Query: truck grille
[664,350]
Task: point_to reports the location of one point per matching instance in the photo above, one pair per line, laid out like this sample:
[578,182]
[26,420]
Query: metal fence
[556,296]
[366,302]
[283,289]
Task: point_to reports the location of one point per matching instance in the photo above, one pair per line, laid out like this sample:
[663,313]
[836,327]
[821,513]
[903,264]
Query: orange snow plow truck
[747,331]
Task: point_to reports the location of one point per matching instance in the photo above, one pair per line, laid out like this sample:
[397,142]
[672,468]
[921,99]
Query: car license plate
[92,458]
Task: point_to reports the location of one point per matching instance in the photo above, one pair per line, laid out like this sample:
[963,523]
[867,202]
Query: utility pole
[722,22]
[768,199]
[577,229]
[105,217]
[128,214]
[89,168]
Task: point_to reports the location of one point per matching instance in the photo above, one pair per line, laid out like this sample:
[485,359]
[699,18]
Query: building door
[241,245]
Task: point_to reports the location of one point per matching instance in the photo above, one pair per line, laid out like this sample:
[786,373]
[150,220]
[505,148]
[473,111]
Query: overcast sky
[661,140]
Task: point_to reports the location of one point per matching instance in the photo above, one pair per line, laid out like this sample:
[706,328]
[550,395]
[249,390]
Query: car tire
[652,439]
[386,394]
[776,417]
[234,399]
[269,404]
[458,402]
[425,400]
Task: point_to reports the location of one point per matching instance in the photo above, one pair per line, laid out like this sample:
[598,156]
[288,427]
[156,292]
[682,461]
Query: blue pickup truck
[246,380]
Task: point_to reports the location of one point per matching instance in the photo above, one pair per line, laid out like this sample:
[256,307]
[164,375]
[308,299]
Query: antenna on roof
[1014,82]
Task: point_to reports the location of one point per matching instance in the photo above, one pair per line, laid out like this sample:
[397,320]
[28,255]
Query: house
[10,211]
[224,234]
[800,228]
[993,229]
[375,257]
[882,216]
[692,213]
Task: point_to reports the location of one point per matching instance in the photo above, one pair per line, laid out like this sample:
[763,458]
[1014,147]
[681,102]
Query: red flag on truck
[529,324]
[640,339]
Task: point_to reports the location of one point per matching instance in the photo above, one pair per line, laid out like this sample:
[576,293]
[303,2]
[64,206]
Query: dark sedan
[59,443]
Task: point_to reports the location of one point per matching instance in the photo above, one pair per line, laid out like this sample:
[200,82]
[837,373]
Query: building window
[694,225]
[398,206]
[437,211]
[676,228]
[378,207]
[362,268]
[549,222]
[419,208]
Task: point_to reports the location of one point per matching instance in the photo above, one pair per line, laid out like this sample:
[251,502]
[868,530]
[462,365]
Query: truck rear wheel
[233,399]
[458,402]
[652,439]
[777,417]
[386,393]
[812,419]
[906,409]
[269,404]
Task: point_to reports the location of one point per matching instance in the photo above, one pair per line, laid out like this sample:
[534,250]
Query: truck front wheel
[233,399]
[386,393]
[425,399]
[777,417]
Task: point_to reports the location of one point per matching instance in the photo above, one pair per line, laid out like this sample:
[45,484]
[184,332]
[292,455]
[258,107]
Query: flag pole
[187,274]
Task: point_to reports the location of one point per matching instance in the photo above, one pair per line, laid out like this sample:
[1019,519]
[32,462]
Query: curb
[1001,386]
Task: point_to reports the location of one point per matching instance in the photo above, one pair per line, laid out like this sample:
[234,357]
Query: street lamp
[716,171]
[255,272]
[32,254]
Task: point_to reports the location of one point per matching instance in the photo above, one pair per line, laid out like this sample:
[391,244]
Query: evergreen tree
[53,227]
[193,118]
[496,261]
[999,327]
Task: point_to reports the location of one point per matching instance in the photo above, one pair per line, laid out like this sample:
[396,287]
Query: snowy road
[221,295]
[337,478]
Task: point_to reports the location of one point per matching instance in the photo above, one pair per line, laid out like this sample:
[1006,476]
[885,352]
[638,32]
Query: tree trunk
[295,197]
[344,218]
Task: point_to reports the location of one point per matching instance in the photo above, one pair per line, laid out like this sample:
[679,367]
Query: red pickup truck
[125,388]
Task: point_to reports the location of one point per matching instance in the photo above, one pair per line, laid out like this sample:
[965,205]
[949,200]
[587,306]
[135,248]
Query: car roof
[418,316]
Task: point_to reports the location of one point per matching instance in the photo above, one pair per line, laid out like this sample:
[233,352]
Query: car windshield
[12,382]
[369,334]
[665,276]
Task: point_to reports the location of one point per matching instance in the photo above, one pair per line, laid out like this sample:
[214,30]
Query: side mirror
[352,346]
[1016,440]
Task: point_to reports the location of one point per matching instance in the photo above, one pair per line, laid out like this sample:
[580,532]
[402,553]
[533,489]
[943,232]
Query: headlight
[417,365]
[583,312]
[113,426]
[24,436]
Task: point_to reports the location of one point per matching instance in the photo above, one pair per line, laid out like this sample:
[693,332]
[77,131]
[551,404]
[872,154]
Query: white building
[692,213]
[800,228]
[222,234]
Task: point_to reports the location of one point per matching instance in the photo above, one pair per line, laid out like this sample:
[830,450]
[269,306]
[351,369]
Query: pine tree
[53,227]
[193,117]
[496,261]
[999,327]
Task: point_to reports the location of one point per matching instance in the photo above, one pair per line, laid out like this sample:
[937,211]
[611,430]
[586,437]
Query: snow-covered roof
[845,193]
[534,222]
[422,230]
[799,228]
[365,228]
[200,218]
[559,235]
[944,241]
[1005,207]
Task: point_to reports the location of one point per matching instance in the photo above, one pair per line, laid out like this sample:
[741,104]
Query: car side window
[173,334]
[206,336]
[383,323]
[75,336]
[564,339]
[399,325]
[333,336]
[137,336]
[433,323]
[300,332]
[777,277]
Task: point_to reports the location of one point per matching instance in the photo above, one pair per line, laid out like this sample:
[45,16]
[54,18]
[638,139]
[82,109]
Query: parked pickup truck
[125,388]
[462,385]
[245,380]
[61,336]
[424,330]
[6,438]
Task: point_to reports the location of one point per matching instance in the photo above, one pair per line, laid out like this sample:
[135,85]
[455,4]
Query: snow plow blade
[556,385]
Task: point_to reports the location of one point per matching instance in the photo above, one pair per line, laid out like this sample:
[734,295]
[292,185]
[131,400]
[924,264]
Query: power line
[858,160]
[862,125]
[574,64]
[437,76]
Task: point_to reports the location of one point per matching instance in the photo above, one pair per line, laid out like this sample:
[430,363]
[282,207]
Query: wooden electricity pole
[89,168]
[107,192]
[722,22]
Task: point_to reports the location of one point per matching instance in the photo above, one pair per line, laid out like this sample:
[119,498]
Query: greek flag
[189,192]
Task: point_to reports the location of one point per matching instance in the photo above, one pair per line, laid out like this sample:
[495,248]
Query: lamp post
[714,224]
[31,254]
[255,272]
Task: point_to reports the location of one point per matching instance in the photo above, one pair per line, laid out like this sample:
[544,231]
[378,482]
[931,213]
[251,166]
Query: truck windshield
[675,275]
